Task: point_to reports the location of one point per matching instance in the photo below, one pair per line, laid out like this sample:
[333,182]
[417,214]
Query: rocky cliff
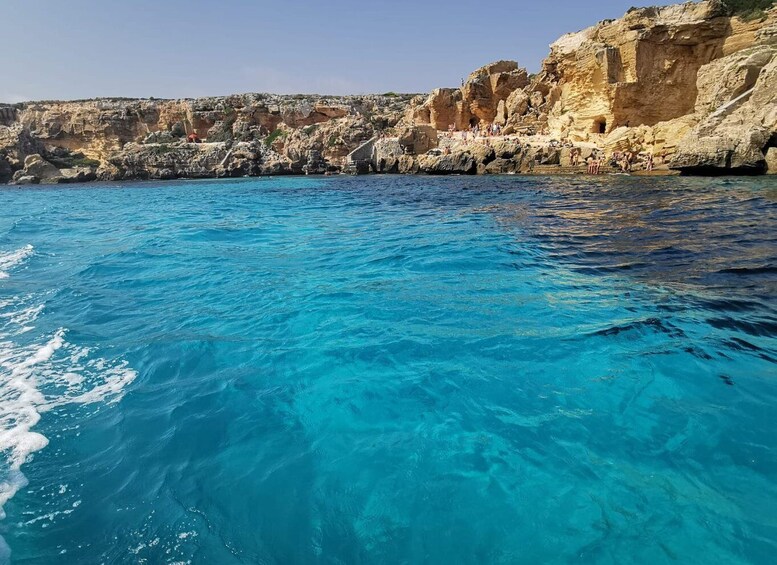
[689,84]
[249,134]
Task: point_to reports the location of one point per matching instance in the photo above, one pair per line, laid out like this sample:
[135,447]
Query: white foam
[10,260]
[23,318]
[36,379]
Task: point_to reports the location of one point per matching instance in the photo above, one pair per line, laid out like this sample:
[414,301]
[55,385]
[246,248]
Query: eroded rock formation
[481,99]
[687,82]
[249,134]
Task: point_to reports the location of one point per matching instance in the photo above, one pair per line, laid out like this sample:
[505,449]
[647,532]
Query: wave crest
[10,260]
[39,378]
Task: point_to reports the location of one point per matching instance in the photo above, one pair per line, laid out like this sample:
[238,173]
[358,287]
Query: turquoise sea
[389,370]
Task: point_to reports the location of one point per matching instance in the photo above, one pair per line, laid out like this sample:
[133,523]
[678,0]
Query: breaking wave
[10,260]
[39,376]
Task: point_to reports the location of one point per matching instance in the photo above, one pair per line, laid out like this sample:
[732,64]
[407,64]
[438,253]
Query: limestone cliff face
[639,70]
[736,114]
[242,134]
[686,81]
[481,99]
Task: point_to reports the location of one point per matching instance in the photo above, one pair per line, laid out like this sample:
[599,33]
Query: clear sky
[65,49]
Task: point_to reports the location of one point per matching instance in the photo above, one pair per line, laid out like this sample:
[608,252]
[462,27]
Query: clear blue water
[390,370]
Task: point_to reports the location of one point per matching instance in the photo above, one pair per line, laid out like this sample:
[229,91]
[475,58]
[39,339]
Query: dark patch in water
[730,305]
[650,324]
[726,379]
[741,345]
[745,271]
[697,352]
[761,328]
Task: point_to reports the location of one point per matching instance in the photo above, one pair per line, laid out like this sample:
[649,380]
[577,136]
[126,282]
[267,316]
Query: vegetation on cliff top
[749,9]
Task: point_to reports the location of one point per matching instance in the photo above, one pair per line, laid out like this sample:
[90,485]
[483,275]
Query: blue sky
[58,49]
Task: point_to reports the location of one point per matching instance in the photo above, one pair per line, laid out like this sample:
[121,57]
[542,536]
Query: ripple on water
[40,374]
[391,370]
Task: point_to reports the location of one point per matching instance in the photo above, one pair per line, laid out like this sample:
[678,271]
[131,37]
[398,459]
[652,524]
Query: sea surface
[390,370]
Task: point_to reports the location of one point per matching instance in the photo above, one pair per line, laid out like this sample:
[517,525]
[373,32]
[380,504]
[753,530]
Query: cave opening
[600,126]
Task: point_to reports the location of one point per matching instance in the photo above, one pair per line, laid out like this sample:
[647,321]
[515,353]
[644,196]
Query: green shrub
[390,94]
[270,139]
[749,10]
[81,161]
[73,160]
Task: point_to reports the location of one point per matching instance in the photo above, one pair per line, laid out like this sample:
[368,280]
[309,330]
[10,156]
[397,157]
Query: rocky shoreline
[685,88]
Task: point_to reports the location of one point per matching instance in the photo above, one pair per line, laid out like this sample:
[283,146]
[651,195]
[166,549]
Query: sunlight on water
[390,370]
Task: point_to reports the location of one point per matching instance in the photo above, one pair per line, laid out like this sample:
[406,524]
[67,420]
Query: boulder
[501,113]
[37,167]
[417,140]
[331,111]
[408,165]
[386,155]
[77,174]
[177,130]
[721,154]
[517,103]
[483,154]
[506,148]
[25,179]
[461,163]
[503,166]
[771,161]
[550,156]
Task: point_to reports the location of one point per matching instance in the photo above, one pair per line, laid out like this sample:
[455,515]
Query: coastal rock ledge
[689,88]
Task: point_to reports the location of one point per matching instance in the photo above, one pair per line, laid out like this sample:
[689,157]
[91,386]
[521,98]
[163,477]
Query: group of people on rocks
[493,130]
[575,155]
[594,162]
[624,161]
